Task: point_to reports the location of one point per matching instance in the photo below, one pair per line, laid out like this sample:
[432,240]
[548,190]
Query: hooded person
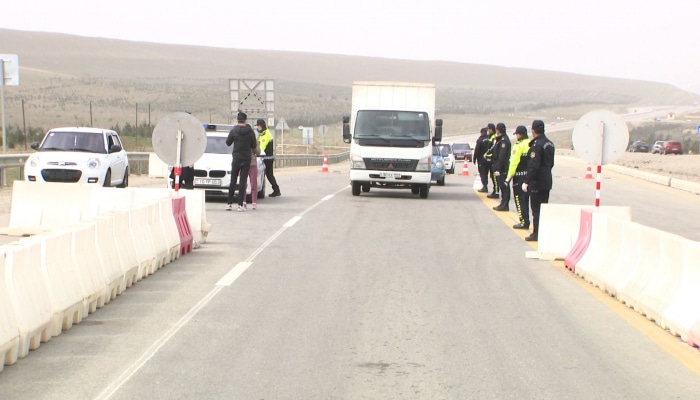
[267,146]
[244,143]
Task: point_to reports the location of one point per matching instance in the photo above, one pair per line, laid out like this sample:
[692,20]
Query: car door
[117,159]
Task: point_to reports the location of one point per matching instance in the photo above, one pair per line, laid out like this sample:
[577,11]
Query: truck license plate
[204,181]
[394,175]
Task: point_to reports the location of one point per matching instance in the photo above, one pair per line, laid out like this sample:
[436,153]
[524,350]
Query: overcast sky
[636,39]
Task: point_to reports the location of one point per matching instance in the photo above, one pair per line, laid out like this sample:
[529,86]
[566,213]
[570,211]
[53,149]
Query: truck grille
[387,164]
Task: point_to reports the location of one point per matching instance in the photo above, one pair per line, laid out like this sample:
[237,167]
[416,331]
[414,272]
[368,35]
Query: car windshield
[90,142]
[392,124]
[217,145]
[460,146]
[445,149]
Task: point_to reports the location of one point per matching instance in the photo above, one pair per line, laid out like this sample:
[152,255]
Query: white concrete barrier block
[156,167]
[28,295]
[692,187]
[108,257]
[84,254]
[645,269]
[9,330]
[664,284]
[595,253]
[624,266]
[604,251]
[169,226]
[683,311]
[126,246]
[560,223]
[141,234]
[195,206]
[60,276]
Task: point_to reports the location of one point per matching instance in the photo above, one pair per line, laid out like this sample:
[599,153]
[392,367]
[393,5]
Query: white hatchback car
[212,172]
[448,156]
[79,155]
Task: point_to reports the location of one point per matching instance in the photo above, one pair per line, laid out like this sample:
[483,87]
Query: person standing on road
[243,139]
[516,172]
[482,145]
[501,162]
[253,175]
[538,181]
[267,146]
[489,160]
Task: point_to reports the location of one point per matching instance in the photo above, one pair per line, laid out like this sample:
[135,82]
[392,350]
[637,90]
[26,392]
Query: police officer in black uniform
[501,162]
[489,160]
[482,145]
[538,181]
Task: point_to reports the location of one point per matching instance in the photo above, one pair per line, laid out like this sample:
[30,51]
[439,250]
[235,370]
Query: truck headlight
[356,162]
[425,164]
[93,163]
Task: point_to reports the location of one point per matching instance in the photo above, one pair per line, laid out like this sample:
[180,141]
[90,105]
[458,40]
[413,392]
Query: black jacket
[243,139]
[540,163]
[482,145]
[501,154]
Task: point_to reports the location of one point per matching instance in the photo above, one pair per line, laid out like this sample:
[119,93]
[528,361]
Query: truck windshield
[392,125]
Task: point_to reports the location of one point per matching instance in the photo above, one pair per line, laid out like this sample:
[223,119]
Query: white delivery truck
[391,131]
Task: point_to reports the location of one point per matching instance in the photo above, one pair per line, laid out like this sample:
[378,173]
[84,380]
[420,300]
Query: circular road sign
[193,143]
[600,137]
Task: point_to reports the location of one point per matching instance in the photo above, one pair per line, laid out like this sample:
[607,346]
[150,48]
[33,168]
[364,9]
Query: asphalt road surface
[322,295]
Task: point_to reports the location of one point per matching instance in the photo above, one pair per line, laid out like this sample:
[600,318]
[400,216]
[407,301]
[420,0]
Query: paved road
[322,295]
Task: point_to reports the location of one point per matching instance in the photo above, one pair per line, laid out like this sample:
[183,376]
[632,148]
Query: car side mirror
[347,138]
[115,148]
[34,145]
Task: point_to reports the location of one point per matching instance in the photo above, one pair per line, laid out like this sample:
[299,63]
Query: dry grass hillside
[66,80]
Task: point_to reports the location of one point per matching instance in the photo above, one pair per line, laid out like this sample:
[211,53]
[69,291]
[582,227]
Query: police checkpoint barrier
[197,215]
[28,295]
[559,228]
[651,271]
[156,167]
[60,275]
[77,261]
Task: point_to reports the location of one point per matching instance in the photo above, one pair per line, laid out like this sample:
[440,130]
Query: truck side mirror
[347,138]
[438,131]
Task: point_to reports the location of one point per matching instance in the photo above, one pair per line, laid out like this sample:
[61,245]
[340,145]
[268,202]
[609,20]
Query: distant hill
[63,77]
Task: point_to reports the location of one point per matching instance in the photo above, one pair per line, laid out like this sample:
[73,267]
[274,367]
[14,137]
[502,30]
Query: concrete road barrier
[60,276]
[28,295]
[195,206]
[560,224]
[141,233]
[682,313]
[624,266]
[645,269]
[84,252]
[126,246]
[156,167]
[9,329]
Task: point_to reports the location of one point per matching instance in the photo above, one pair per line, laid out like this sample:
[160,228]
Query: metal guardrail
[138,162]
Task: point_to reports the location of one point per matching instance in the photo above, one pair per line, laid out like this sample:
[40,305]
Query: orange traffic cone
[325,164]
[465,168]
[589,173]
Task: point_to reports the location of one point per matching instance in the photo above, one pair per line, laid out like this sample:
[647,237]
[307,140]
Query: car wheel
[441,181]
[261,192]
[356,188]
[125,180]
[424,189]
[108,179]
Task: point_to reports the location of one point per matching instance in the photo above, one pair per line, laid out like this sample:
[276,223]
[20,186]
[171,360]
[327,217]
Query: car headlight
[440,164]
[93,163]
[356,162]
[425,164]
[33,161]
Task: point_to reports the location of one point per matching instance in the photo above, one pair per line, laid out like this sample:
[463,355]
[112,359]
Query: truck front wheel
[424,189]
[415,189]
[356,187]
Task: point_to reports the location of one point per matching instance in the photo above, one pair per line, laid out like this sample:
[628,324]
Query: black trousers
[494,181]
[537,198]
[239,167]
[522,202]
[505,190]
[484,170]
[269,174]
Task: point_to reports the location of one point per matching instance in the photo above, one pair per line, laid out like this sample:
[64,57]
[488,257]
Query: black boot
[275,191]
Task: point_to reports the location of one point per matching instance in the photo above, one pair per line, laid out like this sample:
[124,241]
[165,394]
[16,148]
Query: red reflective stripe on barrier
[582,242]
[183,225]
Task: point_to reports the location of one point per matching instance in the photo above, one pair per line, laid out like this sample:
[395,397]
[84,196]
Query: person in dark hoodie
[501,162]
[244,142]
[482,145]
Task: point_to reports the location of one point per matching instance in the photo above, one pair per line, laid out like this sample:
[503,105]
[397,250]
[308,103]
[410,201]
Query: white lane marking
[231,275]
[234,274]
[151,351]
